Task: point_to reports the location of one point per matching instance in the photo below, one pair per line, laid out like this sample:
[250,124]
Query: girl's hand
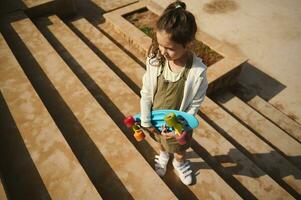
[165,133]
[153,130]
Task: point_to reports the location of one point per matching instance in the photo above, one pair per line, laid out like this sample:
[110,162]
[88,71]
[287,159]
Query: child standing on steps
[175,78]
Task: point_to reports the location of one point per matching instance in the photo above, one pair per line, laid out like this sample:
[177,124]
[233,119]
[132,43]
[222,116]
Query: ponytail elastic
[178,6]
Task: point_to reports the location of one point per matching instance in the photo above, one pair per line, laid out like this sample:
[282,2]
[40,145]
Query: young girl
[175,79]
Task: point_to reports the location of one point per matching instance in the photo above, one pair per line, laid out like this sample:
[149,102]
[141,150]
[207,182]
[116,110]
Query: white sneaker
[183,171]
[161,163]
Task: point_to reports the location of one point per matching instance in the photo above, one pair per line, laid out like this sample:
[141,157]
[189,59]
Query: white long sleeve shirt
[194,89]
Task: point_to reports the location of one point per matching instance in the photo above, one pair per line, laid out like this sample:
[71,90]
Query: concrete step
[230,161]
[16,165]
[34,3]
[269,132]
[110,53]
[35,8]
[48,149]
[228,119]
[269,111]
[214,143]
[127,103]
[126,46]
[280,169]
[113,172]
[108,5]
[112,137]
[124,28]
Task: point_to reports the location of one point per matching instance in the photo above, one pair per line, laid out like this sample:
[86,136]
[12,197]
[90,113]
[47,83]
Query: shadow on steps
[20,177]
[99,171]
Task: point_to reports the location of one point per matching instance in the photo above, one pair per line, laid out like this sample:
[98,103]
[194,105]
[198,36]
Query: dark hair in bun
[178,23]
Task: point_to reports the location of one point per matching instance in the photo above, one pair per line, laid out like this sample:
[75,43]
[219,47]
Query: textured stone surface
[262,154]
[280,139]
[108,5]
[280,119]
[33,3]
[111,50]
[124,27]
[48,149]
[237,164]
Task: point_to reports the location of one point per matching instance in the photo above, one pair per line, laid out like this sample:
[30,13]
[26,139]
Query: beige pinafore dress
[169,95]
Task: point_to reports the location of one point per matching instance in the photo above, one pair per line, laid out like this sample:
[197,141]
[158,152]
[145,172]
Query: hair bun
[179,4]
[176,5]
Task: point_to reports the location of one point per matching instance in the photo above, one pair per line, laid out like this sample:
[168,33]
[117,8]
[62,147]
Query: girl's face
[169,49]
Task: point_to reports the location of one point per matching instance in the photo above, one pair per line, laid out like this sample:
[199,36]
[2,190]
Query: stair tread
[108,5]
[262,154]
[109,29]
[280,139]
[276,116]
[33,3]
[237,164]
[117,56]
[32,118]
[138,38]
[208,180]
[106,135]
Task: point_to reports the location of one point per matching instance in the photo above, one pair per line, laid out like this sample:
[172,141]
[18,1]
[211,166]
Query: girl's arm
[200,95]
[146,98]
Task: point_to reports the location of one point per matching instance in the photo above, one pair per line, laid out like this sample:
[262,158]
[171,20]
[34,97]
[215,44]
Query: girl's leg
[161,148]
[182,166]
[161,161]
[180,156]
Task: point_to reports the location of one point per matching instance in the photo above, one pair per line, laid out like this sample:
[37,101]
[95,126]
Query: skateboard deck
[157,118]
